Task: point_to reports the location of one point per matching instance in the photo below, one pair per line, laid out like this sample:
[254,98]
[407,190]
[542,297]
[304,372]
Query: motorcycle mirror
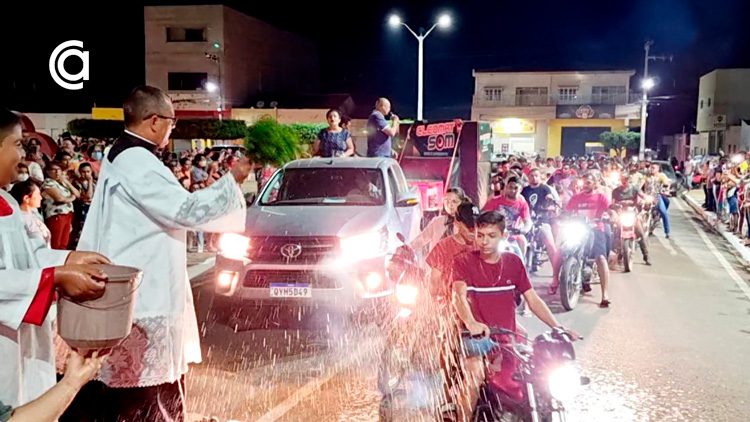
[585,380]
[401,237]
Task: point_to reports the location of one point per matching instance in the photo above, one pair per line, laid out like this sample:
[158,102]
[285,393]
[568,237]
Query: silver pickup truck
[320,233]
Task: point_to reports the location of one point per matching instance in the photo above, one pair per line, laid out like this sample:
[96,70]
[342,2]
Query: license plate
[291,290]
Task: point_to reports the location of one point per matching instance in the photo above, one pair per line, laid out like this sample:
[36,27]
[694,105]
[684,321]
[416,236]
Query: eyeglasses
[172,119]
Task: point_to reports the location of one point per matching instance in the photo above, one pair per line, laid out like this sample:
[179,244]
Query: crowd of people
[470,251]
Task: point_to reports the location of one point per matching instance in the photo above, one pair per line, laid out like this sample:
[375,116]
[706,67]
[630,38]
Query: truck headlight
[234,246]
[364,246]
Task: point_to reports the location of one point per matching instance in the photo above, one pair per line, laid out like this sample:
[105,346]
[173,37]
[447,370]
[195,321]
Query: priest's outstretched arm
[218,208]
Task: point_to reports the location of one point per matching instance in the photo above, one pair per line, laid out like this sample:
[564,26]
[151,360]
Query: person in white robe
[139,216]
[29,276]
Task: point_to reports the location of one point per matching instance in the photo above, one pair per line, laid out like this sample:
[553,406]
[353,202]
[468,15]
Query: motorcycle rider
[515,209]
[627,194]
[594,205]
[635,177]
[543,200]
[485,283]
[440,260]
[656,184]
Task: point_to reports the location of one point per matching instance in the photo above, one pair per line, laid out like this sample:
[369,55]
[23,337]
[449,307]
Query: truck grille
[263,278]
[311,250]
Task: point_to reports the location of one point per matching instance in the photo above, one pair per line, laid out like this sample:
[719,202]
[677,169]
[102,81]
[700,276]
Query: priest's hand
[80,282]
[242,169]
[86,258]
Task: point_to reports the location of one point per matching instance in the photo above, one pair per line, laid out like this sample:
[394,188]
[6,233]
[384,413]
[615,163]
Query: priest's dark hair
[144,102]
[8,121]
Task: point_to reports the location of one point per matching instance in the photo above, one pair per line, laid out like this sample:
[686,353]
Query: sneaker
[666,236]
[646,261]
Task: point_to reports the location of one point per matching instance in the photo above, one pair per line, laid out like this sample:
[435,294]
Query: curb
[198,270]
[712,220]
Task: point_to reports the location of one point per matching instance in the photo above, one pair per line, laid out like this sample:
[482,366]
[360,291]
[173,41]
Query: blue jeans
[664,211]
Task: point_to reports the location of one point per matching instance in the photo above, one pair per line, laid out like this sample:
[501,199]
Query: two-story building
[723,107]
[212,57]
[553,113]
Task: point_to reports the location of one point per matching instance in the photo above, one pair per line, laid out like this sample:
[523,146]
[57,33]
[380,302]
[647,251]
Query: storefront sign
[512,126]
[604,111]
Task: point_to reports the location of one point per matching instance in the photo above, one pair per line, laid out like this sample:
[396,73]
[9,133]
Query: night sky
[361,55]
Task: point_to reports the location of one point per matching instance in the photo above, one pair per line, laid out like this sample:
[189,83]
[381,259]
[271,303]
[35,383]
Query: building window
[568,95]
[608,95]
[709,102]
[701,104]
[532,96]
[186,81]
[493,93]
[186,34]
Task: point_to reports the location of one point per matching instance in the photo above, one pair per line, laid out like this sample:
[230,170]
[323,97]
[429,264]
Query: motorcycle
[649,215]
[625,234]
[405,339]
[536,381]
[536,253]
[577,271]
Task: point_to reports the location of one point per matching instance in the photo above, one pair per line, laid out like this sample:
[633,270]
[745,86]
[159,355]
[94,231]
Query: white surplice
[139,217]
[27,355]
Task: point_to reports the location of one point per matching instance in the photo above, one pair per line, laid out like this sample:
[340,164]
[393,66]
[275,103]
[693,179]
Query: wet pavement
[675,346]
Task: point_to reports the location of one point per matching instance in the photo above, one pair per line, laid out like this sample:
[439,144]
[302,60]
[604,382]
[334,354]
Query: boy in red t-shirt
[485,283]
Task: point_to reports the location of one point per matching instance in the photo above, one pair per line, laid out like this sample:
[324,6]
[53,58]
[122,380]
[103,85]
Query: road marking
[315,384]
[719,257]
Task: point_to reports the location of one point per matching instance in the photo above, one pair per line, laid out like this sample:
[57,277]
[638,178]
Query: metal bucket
[104,322]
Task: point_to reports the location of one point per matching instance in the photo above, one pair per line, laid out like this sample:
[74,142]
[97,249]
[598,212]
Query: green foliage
[268,142]
[306,132]
[620,141]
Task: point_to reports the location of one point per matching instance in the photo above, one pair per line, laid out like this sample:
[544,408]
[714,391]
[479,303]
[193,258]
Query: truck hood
[307,220]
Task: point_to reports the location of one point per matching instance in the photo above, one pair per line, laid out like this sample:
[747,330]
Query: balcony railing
[534,100]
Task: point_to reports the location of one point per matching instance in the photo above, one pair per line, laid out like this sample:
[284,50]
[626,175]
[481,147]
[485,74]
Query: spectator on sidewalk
[29,198]
[59,196]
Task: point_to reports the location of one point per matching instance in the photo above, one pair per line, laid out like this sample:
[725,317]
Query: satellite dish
[274,104]
[260,104]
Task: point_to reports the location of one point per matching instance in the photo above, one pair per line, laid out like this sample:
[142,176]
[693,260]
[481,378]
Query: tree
[307,132]
[620,141]
[209,129]
[268,142]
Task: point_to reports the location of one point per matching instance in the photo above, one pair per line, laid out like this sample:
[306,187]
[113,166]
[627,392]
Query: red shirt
[492,288]
[441,258]
[513,209]
[591,205]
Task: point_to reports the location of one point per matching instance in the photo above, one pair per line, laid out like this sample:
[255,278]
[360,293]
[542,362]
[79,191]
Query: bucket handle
[124,301]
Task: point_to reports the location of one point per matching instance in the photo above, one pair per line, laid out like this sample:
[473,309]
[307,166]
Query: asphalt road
[674,346]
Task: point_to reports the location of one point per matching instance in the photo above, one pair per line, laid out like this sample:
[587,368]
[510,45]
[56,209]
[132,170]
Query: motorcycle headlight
[406,294]
[648,199]
[564,382]
[234,246]
[627,219]
[573,233]
[364,246]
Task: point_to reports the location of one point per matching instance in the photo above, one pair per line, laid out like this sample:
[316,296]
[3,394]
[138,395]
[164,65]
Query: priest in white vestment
[139,217]
[29,276]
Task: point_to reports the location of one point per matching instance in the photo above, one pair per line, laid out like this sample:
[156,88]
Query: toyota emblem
[291,250]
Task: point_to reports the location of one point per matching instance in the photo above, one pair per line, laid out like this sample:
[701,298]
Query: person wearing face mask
[199,173]
[35,161]
[96,154]
[23,175]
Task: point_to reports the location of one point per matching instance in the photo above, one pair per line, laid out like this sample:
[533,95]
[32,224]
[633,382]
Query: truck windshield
[325,186]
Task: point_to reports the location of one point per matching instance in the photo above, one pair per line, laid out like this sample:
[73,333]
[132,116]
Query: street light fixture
[648,84]
[211,86]
[444,22]
[216,86]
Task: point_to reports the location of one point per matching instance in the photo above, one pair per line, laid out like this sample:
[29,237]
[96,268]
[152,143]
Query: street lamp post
[646,84]
[215,58]
[443,22]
